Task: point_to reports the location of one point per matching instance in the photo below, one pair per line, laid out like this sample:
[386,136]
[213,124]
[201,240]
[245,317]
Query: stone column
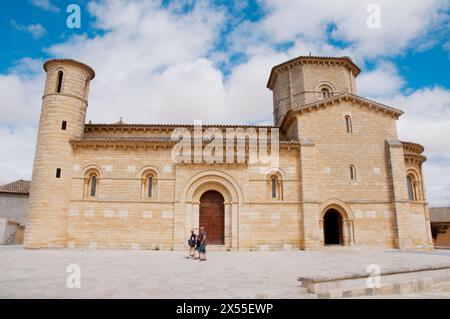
[228,225]
[309,197]
[180,223]
[402,210]
[351,232]
[321,235]
[195,217]
[235,226]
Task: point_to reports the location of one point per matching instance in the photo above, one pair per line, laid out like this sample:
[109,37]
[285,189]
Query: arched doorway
[332,227]
[212,216]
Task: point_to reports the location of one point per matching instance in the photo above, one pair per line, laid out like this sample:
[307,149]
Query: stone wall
[14,206]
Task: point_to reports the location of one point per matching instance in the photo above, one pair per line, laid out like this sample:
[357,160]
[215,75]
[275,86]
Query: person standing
[192,242]
[202,247]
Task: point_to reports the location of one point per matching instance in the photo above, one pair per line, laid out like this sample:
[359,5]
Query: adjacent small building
[440,224]
[13,209]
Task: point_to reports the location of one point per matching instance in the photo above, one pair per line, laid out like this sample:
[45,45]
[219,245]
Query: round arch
[215,179]
[414,172]
[91,179]
[346,218]
[417,185]
[325,85]
[275,171]
[220,182]
[148,169]
[92,168]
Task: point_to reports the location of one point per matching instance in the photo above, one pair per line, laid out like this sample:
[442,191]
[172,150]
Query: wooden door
[212,217]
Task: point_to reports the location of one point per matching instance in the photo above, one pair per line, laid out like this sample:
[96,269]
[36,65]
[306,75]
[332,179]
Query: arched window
[410,184]
[149,180]
[59,81]
[326,92]
[352,173]
[274,187]
[91,181]
[93,185]
[150,186]
[348,124]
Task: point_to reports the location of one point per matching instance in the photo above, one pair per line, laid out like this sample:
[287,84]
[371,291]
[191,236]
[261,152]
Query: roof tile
[19,187]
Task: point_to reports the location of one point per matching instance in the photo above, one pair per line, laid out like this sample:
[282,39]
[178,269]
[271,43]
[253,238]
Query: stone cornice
[153,142]
[347,97]
[344,61]
[72,62]
[125,127]
[412,148]
[413,152]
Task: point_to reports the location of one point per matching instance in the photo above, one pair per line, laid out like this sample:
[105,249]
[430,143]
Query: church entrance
[212,217]
[332,227]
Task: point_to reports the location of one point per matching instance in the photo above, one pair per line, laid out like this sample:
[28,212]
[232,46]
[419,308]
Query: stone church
[342,176]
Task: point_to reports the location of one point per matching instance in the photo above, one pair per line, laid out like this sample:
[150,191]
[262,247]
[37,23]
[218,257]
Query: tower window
[410,183]
[93,185]
[149,184]
[63,125]
[352,173]
[274,187]
[348,124]
[150,187]
[59,81]
[326,93]
[58,173]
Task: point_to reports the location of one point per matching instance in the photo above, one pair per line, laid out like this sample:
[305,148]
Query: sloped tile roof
[344,60]
[19,187]
[440,214]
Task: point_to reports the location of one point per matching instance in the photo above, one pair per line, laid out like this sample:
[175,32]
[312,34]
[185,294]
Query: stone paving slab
[166,274]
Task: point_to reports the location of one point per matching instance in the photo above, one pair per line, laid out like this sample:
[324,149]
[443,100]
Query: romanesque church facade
[342,176]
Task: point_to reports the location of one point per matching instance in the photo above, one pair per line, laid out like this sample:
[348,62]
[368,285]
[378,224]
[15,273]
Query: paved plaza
[169,274]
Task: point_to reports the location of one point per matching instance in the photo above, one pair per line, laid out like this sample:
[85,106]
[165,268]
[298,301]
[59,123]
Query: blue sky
[419,68]
[218,55]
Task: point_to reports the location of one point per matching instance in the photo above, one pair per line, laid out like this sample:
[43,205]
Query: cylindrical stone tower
[63,115]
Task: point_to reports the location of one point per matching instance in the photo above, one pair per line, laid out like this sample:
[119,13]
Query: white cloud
[20,95]
[16,159]
[427,121]
[383,81]
[45,5]
[402,23]
[36,30]
[158,64]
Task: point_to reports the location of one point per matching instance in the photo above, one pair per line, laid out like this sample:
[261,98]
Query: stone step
[441,287]
[286,293]
[395,282]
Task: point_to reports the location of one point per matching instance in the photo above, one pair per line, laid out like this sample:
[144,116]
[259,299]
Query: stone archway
[336,220]
[222,183]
